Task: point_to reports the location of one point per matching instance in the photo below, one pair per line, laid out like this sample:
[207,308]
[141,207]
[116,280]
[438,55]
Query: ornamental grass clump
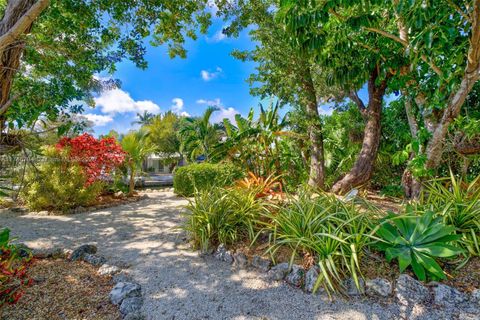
[333,231]
[223,216]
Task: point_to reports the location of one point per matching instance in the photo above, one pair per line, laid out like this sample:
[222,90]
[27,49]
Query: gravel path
[178,283]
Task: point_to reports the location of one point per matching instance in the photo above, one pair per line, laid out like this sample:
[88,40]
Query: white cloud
[119,101]
[207,76]
[223,111]
[177,107]
[214,103]
[97,119]
[218,36]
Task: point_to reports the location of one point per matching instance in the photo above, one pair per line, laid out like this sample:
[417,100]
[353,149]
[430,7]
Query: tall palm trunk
[363,168]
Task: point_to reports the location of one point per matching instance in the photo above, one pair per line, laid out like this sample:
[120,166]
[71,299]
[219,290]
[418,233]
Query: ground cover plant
[14,261]
[457,202]
[332,231]
[222,216]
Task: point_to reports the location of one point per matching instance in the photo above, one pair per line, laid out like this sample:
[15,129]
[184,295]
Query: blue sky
[208,76]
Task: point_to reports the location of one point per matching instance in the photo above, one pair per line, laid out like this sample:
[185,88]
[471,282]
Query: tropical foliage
[59,184]
[222,216]
[97,157]
[137,147]
[418,241]
[458,204]
[334,232]
[199,136]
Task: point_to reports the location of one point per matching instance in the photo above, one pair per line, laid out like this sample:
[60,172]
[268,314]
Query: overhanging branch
[23,23]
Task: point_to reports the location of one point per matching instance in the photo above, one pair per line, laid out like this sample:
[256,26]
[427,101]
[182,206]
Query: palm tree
[144,118]
[198,135]
[254,144]
[137,148]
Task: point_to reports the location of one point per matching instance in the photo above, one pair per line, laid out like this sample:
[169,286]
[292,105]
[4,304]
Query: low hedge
[202,176]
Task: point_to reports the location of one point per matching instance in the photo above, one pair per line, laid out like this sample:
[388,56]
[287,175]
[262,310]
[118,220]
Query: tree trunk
[435,144]
[317,159]
[457,98]
[17,20]
[363,168]
[411,185]
[316,178]
[131,187]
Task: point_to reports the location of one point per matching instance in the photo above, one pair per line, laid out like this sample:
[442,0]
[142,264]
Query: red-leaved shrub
[96,156]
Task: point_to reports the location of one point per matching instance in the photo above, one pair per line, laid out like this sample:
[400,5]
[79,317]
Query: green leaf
[441,250]
[418,270]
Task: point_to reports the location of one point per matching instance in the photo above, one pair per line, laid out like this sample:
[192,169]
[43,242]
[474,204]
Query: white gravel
[177,282]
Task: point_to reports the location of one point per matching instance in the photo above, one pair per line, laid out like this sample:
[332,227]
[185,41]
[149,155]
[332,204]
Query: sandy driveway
[178,283]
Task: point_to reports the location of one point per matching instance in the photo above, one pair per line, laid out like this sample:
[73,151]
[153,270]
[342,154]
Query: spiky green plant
[137,147]
[220,215]
[417,241]
[458,203]
[333,231]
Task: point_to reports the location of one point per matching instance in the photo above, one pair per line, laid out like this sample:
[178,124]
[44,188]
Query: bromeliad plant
[220,215]
[331,230]
[458,203]
[269,186]
[417,241]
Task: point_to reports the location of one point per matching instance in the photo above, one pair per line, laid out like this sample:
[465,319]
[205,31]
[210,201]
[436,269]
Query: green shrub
[58,185]
[417,241]
[222,216]
[203,176]
[333,231]
[458,203]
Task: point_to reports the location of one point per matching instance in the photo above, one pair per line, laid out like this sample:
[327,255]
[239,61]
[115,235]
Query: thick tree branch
[355,98]
[457,98]
[23,23]
[4,108]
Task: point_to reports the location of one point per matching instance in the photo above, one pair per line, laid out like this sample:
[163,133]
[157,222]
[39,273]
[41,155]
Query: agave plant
[417,241]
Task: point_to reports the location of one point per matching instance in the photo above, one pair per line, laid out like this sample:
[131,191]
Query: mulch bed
[63,290]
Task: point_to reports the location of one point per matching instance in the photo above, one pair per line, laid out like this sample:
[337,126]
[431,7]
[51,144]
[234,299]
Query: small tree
[96,156]
[137,147]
